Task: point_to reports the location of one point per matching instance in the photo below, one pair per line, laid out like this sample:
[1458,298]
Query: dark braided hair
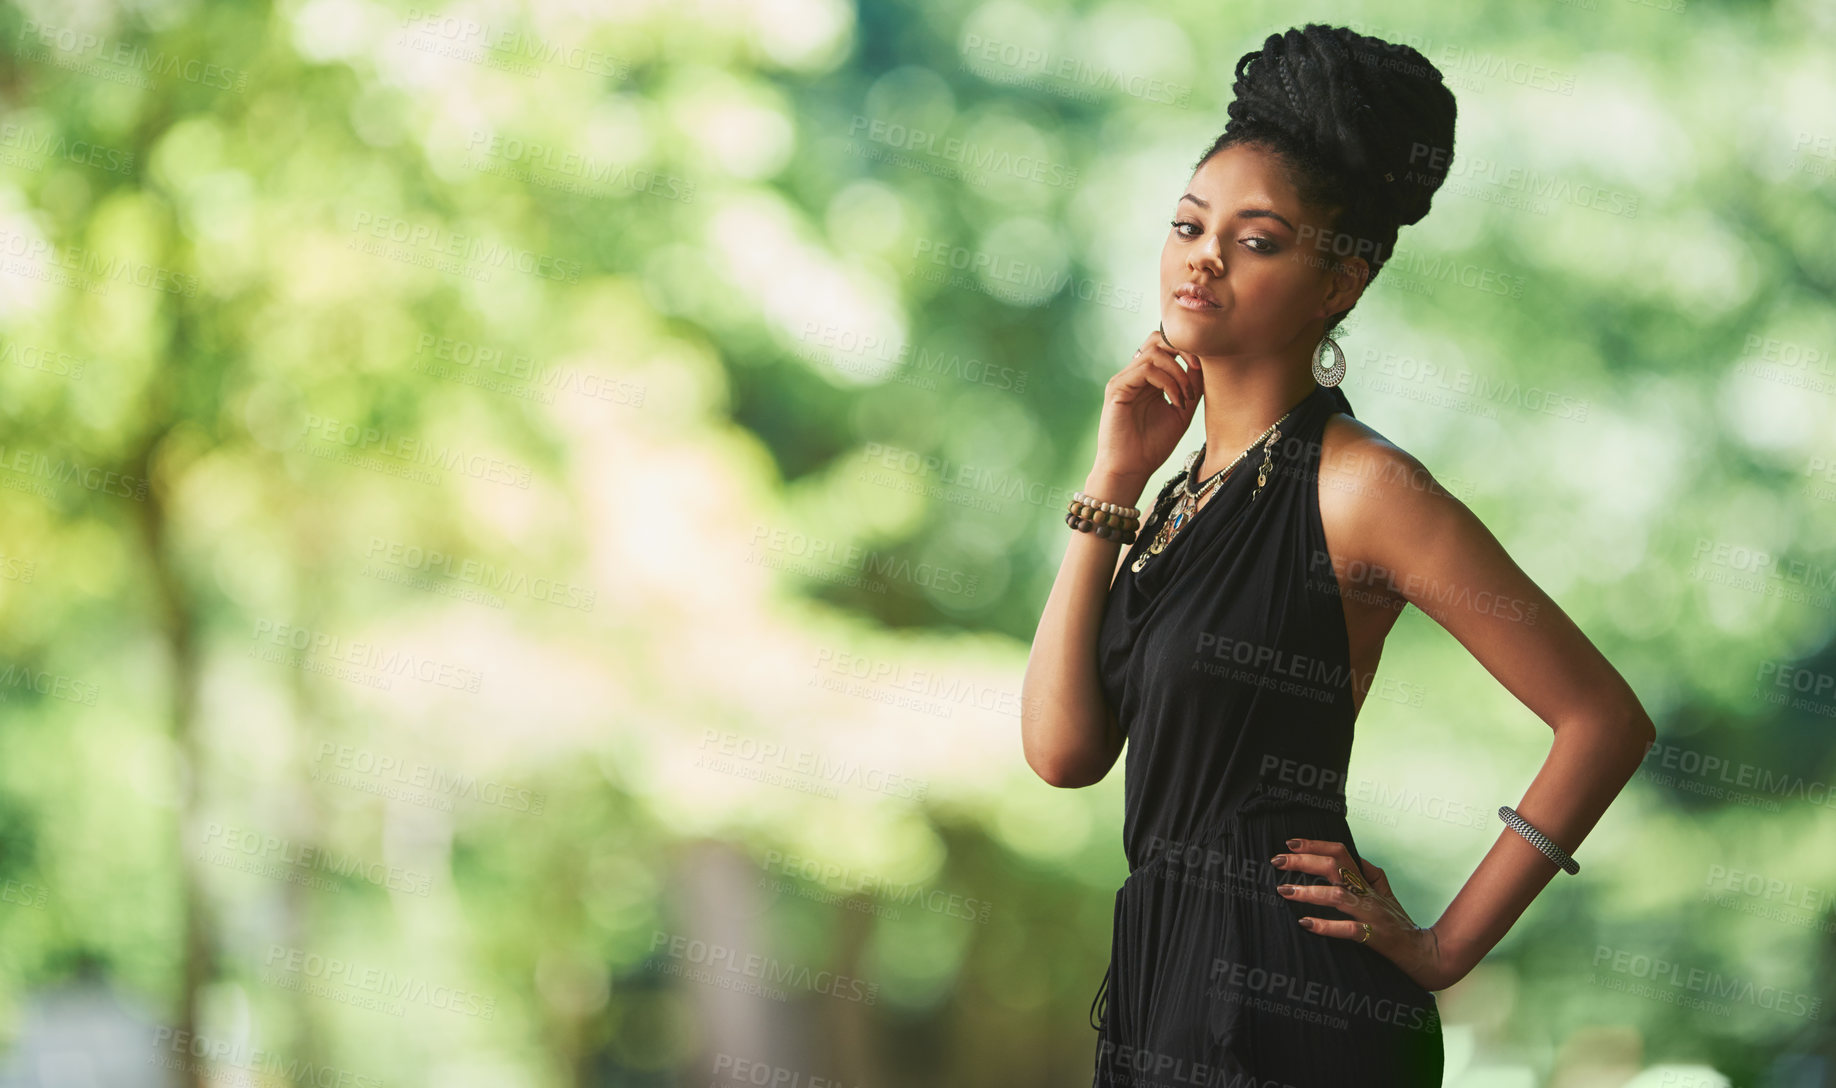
[1360,124]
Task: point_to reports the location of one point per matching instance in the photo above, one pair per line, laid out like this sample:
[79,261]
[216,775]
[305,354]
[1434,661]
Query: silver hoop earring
[1334,375]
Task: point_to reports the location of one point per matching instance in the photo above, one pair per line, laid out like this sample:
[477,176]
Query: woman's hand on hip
[1416,949]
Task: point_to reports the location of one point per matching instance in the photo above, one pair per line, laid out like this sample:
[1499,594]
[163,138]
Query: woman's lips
[1188,302]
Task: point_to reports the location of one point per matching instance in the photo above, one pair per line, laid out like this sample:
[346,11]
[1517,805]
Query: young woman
[1232,641]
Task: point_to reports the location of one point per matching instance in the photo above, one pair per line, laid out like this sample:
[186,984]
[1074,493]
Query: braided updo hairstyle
[1360,124]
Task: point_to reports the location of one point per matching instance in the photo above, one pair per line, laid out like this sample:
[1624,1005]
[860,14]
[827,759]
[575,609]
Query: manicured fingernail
[1277,859]
[1294,844]
[1285,889]
[1308,922]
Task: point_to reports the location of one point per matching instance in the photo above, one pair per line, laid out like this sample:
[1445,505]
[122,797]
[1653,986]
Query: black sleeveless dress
[1227,662]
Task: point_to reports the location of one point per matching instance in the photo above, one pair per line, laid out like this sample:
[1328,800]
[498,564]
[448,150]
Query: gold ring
[1354,881]
[1367,932]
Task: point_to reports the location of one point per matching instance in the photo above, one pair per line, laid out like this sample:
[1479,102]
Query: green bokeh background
[524,521]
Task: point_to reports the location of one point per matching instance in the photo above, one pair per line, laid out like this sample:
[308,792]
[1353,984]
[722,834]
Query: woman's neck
[1242,402]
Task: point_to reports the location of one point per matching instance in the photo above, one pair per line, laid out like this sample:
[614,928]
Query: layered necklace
[1190,498]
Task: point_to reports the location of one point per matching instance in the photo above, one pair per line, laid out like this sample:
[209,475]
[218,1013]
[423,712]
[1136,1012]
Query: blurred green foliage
[526,501]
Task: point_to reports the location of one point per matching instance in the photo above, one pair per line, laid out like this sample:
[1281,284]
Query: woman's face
[1241,234]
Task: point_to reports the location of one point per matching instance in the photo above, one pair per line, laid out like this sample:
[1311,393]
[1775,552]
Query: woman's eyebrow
[1248,213]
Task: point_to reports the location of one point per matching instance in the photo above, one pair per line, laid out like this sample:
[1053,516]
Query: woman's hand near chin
[1139,428]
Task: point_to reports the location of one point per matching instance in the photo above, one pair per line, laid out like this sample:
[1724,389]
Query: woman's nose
[1207,255]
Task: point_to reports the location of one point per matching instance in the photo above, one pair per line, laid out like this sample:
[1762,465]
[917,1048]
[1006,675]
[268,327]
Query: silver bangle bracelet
[1538,839]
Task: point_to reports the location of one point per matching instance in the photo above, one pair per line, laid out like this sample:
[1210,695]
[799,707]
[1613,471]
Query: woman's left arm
[1427,547]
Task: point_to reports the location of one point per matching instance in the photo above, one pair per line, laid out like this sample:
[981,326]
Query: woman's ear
[1348,279]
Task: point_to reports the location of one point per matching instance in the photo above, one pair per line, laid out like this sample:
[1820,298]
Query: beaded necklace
[1189,499]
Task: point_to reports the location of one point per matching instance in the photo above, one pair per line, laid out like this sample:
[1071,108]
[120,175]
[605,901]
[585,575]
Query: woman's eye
[1255,242]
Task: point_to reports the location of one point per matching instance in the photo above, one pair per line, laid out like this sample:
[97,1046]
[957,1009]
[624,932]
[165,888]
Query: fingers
[1321,857]
[1180,385]
[1190,376]
[1331,927]
[1144,373]
[1328,895]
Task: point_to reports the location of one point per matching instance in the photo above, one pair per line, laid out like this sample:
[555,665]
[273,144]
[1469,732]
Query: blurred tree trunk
[178,627]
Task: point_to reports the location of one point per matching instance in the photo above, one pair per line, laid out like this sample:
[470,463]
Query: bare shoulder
[1370,487]
[1422,545]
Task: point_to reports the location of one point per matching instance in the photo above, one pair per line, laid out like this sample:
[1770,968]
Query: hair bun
[1378,112]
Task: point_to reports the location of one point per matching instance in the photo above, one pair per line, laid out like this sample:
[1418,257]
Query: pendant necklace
[1189,499]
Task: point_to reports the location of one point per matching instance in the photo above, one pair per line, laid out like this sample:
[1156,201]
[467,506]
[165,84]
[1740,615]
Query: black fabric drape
[1227,662]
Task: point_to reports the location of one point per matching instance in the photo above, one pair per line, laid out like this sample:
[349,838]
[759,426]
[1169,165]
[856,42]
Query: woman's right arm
[1067,729]
[1070,734]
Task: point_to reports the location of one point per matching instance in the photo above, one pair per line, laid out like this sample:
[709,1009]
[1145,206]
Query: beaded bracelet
[1109,520]
[1088,499]
[1538,839]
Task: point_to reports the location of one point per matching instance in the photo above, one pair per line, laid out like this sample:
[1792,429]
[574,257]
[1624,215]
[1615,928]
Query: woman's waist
[1240,836]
